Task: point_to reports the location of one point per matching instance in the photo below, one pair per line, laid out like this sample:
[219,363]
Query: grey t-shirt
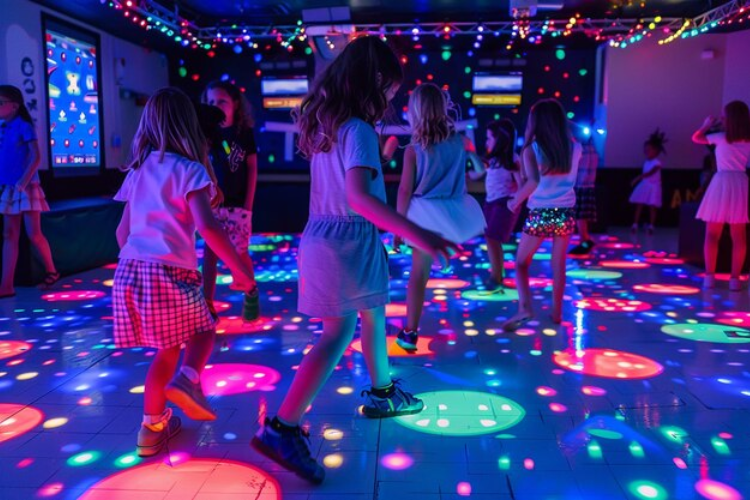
[356,146]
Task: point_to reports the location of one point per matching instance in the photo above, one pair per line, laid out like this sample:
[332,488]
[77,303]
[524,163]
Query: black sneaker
[290,449]
[583,249]
[399,402]
[407,340]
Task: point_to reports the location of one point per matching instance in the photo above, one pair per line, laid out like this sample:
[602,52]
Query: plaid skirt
[586,204]
[156,305]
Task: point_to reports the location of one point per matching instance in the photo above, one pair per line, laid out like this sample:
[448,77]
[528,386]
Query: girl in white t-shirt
[157,298]
[725,201]
[647,190]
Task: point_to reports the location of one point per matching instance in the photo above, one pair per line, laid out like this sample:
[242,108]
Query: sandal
[49,280]
[514,324]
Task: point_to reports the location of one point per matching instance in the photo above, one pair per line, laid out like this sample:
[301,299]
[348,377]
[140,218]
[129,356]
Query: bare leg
[527,247]
[317,367]
[210,262]
[652,215]
[583,230]
[420,273]
[739,248]
[559,254]
[374,346]
[11,232]
[497,259]
[198,349]
[159,374]
[711,245]
[638,210]
[33,223]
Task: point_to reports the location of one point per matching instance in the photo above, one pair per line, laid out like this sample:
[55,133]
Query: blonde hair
[428,115]
[169,123]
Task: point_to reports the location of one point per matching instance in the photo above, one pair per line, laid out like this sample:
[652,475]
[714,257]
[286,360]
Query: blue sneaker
[290,449]
[407,340]
[399,402]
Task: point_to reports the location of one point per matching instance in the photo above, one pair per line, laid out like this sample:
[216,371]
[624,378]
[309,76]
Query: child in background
[586,197]
[343,265]
[725,201]
[432,192]
[550,160]
[647,190]
[502,179]
[235,162]
[20,192]
[156,295]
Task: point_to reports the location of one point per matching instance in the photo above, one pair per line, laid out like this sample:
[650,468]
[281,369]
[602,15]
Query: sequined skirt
[550,222]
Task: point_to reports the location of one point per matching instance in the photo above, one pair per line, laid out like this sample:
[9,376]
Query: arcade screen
[283,93]
[74,100]
[497,89]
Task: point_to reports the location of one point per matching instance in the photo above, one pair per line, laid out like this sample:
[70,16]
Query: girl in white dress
[647,190]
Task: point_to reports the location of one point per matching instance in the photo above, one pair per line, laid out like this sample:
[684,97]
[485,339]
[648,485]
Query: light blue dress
[343,265]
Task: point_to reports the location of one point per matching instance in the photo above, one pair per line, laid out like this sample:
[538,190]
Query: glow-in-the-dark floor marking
[608,363]
[463,413]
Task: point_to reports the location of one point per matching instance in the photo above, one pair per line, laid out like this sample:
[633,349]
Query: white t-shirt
[732,157]
[356,146]
[648,166]
[555,190]
[499,182]
[162,229]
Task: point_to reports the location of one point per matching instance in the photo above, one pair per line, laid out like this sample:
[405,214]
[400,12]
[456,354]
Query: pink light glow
[10,348]
[528,464]
[223,379]
[714,490]
[680,463]
[739,319]
[72,296]
[50,490]
[533,282]
[463,489]
[397,461]
[608,363]
[16,420]
[624,264]
[613,305]
[235,324]
[590,390]
[423,347]
[666,289]
[447,283]
[546,391]
[395,310]
[558,408]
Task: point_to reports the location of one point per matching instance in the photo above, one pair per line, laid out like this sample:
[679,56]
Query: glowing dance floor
[642,393]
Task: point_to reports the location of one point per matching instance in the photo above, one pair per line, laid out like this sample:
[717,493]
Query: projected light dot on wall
[447,283]
[193,478]
[624,264]
[612,305]
[666,289]
[224,379]
[73,296]
[423,347]
[707,332]
[714,490]
[608,363]
[10,348]
[593,274]
[463,413]
[482,295]
[16,420]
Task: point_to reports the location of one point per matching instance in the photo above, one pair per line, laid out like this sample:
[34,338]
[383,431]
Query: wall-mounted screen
[73,99]
[497,89]
[283,93]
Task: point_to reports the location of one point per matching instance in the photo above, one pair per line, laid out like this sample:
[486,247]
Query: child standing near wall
[586,197]
[432,192]
[343,265]
[157,298]
[647,192]
[725,201]
[21,194]
[550,160]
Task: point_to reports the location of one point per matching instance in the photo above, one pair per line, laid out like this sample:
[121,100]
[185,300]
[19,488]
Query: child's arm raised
[32,164]
[371,208]
[200,207]
[531,169]
[699,136]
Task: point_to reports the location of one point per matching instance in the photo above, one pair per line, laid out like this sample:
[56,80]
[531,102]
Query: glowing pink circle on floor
[395,310]
[740,319]
[608,363]
[666,289]
[235,324]
[394,350]
[73,296]
[10,348]
[624,264]
[714,490]
[613,305]
[590,390]
[222,306]
[664,261]
[16,420]
[224,379]
[533,282]
[723,277]
[447,283]
[193,478]
[397,461]
[616,244]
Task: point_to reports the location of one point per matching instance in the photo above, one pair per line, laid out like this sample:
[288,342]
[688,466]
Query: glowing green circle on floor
[707,332]
[509,295]
[593,274]
[463,413]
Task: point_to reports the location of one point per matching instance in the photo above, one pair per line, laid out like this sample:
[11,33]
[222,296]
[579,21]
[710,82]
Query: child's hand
[218,199]
[242,282]
[438,248]
[709,122]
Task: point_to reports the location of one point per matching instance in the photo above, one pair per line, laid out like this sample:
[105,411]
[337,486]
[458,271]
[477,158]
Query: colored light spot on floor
[10,348]
[481,295]
[612,305]
[740,319]
[714,490]
[666,289]
[423,347]
[16,420]
[593,274]
[394,310]
[397,461]
[590,390]
[647,490]
[604,433]
[608,363]
[461,416]
[533,282]
[54,423]
[624,264]
[73,296]
[224,379]
[447,283]
[707,332]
